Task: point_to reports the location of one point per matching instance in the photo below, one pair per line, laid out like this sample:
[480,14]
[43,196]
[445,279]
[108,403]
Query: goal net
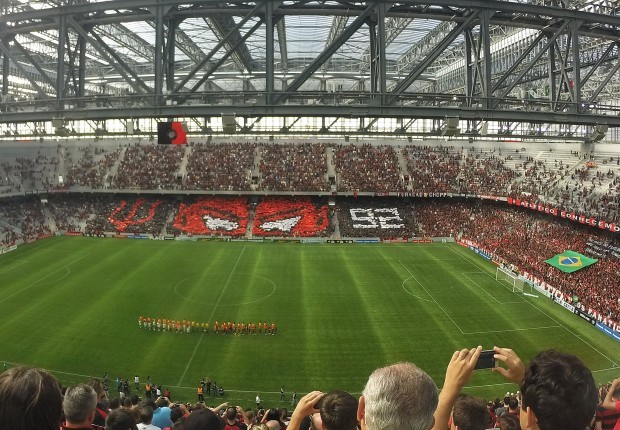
[506,275]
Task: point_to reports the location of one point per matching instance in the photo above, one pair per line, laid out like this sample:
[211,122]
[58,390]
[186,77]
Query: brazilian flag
[570,261]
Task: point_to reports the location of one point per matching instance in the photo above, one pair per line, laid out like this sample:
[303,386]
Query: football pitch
[71,305]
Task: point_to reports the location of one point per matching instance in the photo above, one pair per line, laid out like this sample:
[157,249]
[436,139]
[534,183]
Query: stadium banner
[397,240]
[608,331]
[550,210]
[480,252]
[9,249]
[368,241]
[421,241]
[543,291]
[585,316]
[560,301]
[73,233]
[168,237]
[137,236]
[171,133]
[570,261]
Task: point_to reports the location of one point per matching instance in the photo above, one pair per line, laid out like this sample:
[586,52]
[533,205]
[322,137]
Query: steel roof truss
[116,62]
[327,53]
[604,83]
[25,74]
[34,63]
[221,61]
[217,47]
[551,40]
[432,56]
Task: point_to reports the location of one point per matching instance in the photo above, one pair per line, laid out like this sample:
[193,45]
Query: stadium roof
[408,54]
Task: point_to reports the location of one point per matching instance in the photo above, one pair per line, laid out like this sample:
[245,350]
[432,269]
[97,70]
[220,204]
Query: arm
[515,371]
[220,407]
[459,371]
[608,402]
[304,408]
[245,417]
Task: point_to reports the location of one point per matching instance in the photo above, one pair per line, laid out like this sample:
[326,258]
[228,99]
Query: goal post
[503,274]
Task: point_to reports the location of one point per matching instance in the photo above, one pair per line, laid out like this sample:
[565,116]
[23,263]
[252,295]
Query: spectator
[400,396]
[161,412]
[29,399]
[120,419]
[146,417]
[80,407]
[231,421]
[102,407]
[203,419]
[508,422]
[469,413]
[608,411]
[338,411]
[558,390]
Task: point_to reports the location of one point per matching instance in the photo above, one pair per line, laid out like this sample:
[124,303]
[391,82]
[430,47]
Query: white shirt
[143,426]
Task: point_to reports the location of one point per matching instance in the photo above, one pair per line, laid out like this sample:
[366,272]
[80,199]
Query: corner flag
[570,261]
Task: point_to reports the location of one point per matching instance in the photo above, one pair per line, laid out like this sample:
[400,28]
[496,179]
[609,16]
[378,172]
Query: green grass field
[71,305]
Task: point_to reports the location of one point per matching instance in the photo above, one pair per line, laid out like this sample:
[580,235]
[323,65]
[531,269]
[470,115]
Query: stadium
[277,197]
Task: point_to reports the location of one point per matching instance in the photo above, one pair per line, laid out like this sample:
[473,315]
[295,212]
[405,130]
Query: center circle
[207,290]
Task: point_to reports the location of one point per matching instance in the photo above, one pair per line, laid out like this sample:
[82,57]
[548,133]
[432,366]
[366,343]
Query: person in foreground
[558,390]
[29,399]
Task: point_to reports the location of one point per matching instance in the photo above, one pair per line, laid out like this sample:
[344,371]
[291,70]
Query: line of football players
[177,326]
[240,328]
[186,326]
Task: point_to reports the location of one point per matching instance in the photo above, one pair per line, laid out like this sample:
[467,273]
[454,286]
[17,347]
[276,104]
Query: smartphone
[486,360]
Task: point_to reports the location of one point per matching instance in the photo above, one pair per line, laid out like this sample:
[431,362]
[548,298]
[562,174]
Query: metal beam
[136,83]
[128,40]
[437,50]
[393,27]
[429,112]
[425,45]
[339,23]
[34,64]
[537,56]
[221,26]
[281,27]
[221,61]
[269,53]
[217,47]
[7,54]
[508,73]
[326,54]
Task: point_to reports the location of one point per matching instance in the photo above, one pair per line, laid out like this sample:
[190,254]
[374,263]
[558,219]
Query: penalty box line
[455,323]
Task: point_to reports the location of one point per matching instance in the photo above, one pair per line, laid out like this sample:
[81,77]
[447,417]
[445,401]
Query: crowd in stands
[91,169]
[438,218]
[376,217]
[23,220]
[556,391]
[432,169]
[368,168]
[150,167]
[294,167]
[580,182]
[291,217]
[220,167]
[211,216]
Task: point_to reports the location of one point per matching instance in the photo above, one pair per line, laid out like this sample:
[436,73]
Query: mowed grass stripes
[71,305]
